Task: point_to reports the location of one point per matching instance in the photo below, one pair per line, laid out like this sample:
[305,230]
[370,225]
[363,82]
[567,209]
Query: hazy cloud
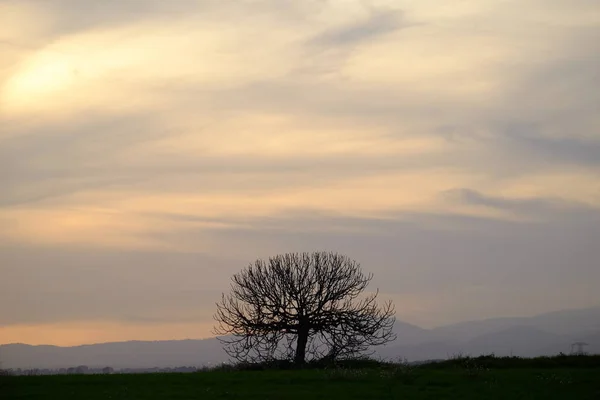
[526,206]
[150,149]
[377,24]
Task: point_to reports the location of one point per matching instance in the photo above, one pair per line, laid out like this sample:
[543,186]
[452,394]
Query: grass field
[460,380]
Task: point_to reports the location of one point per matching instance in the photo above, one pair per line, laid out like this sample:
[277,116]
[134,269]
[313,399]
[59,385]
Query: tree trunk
[301,346]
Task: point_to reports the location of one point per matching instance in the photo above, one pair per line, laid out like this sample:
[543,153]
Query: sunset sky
[149,149]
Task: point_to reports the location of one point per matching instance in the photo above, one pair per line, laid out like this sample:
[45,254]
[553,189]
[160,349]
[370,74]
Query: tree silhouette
[298,306]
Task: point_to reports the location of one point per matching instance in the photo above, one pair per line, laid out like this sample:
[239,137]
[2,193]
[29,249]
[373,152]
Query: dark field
[469,379]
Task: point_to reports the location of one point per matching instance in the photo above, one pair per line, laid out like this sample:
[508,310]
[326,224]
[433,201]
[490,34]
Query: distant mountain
[524,341]
[434,350]
[545,334]
[410,334]
[134,354]
[567,322]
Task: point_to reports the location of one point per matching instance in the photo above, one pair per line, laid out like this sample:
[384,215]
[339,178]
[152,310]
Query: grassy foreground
[462,379]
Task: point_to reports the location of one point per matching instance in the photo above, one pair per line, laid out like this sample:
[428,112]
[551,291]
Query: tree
[302,305]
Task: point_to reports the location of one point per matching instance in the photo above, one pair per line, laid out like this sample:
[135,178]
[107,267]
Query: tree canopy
[300,306]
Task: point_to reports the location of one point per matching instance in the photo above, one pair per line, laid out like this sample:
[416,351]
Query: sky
[151,149]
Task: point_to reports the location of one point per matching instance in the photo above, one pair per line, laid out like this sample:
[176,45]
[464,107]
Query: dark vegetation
[486,377]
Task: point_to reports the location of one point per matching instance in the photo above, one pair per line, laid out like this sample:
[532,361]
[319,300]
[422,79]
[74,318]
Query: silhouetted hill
[546,334]
[132,354]
[434,350]
[409,333]
[524,341]
[566,322]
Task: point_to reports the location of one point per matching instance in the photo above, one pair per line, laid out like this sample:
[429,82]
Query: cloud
[379,23]
[529,208]
[563,150]
[420,255]
[436,143]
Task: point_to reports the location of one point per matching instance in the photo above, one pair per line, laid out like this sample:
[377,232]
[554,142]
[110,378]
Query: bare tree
[299,306]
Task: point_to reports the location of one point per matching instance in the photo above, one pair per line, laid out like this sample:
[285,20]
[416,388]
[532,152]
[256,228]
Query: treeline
[84,370]
[458,361]
[479,363]
[493,362]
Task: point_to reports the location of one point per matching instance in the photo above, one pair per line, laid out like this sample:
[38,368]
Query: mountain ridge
[542,334]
